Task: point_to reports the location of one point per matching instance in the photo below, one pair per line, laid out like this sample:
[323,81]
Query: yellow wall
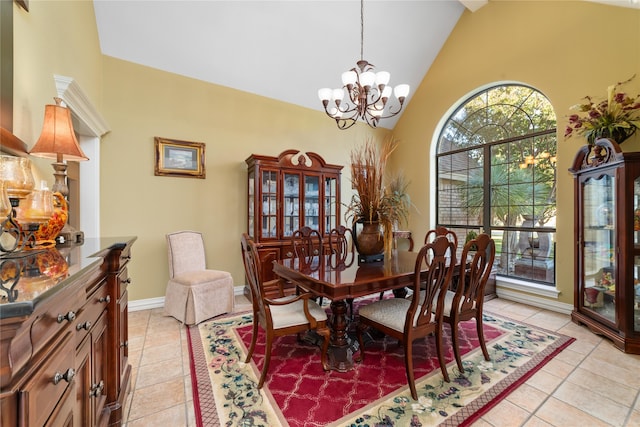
[54,37]
[141,103]
[564,49]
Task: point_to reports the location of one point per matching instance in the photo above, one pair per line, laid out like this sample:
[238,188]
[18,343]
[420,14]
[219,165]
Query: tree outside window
[496,168]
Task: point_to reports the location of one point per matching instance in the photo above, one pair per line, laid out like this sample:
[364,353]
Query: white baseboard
[150,303]
[547,304]
[146,304]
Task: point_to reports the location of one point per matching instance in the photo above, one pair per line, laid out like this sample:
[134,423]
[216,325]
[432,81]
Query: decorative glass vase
[16,172]
[619,135]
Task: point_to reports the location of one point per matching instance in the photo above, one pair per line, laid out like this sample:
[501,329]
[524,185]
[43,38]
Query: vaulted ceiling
[285,50]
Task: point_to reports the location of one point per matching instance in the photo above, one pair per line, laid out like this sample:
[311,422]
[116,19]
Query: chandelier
[366,93]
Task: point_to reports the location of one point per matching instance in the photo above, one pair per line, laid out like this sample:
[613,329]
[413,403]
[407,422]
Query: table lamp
[58,141]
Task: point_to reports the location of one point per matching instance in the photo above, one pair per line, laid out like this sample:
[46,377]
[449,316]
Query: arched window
[496,170]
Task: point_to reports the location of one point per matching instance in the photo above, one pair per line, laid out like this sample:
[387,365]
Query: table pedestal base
[342,347]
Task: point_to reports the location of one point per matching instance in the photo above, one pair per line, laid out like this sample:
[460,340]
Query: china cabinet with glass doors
[288,192]
[607,228]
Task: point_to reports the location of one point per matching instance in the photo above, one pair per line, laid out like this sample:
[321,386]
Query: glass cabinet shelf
[607,232]
[286,193]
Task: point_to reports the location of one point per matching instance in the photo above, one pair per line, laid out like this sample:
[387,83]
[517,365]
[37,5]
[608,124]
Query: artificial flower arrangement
[617,117]
[380,197]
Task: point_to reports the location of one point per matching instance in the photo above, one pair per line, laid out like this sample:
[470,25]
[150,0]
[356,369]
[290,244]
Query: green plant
[617,117]
[470,236]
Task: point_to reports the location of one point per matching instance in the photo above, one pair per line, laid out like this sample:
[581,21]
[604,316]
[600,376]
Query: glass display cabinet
[607,227]
[285,193]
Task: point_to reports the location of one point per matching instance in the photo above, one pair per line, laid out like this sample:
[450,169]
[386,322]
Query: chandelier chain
[361,30]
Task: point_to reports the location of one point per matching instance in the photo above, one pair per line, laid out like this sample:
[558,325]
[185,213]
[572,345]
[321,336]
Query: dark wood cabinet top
[29,277]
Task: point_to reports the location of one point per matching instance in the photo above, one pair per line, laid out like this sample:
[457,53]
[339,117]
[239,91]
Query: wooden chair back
[467,301]
[441,231]
[341,246]
[480,253]
[429,288]
[252,268]
[307,243]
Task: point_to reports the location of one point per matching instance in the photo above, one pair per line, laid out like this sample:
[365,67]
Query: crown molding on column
[474,5]
[90,120]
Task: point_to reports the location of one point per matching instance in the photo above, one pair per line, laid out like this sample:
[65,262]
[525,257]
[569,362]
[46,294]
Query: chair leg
[350,302]
[326,335]
[443,365]
[254,338]
[267,359]
[455,332]
[360,329]
[480,330]
[408,365]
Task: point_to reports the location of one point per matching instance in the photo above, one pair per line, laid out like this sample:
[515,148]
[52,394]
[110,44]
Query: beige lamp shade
[58,140]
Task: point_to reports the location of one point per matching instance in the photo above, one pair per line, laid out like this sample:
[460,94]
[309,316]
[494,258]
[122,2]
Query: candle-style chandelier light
[366,93]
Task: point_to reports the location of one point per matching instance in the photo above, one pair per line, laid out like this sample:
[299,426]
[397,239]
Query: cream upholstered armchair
[194,293]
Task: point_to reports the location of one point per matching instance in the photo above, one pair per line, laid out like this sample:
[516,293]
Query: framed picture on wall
[179,158]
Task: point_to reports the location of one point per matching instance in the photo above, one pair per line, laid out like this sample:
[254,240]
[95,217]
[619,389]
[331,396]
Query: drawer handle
[106,299]
[67,376]
[124,344]
[96,389]
[289,254]
[70,316]
[86,325]
[127,281]
[126,257]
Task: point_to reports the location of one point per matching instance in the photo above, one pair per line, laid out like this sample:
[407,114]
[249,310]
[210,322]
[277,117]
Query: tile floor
[589,384]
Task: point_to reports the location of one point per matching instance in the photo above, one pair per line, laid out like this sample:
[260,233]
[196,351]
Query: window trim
[508,284]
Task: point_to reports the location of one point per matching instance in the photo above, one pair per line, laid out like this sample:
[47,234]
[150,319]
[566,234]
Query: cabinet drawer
[125,256]
[42,392]
[58,315]
[123,282]
[88,315]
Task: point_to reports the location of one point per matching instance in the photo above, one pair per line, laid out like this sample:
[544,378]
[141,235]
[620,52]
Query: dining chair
[341,246]
[466,302]
[283,315]
[449,234]
[410,319]
[307,243]
[441,231]
[342,249]
[194,293]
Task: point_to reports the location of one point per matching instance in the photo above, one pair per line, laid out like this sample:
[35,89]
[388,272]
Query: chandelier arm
[371,120]
[345,123]
[389,114]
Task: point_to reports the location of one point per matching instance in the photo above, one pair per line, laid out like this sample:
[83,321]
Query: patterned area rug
[297,392]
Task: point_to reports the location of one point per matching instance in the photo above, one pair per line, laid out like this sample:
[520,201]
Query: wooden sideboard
[63,335]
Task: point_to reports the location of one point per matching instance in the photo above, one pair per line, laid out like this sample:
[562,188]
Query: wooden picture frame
[179,158]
